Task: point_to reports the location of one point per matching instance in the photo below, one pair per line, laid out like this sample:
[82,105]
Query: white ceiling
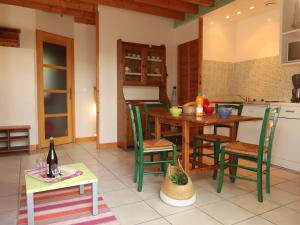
[244,7]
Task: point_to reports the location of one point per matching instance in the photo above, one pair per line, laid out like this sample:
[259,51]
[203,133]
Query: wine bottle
[52,161]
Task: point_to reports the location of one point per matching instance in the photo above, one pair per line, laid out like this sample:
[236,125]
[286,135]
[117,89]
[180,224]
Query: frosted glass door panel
[54,54]
[55,79]
[55,103]
[56,127]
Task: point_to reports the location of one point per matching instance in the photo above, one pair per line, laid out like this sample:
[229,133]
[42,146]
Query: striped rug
[66,207]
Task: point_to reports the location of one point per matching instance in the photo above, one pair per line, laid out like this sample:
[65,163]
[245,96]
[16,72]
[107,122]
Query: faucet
[246,99]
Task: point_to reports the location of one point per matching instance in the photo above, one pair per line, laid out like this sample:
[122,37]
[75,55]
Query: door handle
[290,111]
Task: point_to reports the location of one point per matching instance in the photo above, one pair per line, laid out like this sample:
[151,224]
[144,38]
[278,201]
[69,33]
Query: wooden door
[55,68]
[188,74]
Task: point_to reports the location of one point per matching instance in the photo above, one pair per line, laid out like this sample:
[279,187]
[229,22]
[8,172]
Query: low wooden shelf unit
[14,138]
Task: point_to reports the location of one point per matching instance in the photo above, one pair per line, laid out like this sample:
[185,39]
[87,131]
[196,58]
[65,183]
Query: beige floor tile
[255,221]
[286,174]
[9,203]
[290,186]
[280,197]
[205,197]
[135,213]
[9,217]
[110,185]
[9,188]
[226,212]
[294,205]
[164,209]
[120,197]
[250,203]
[283,216]
[161,221]
[149,191]
[191,217]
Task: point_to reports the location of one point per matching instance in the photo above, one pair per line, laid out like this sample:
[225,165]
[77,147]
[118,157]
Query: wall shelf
[14,138]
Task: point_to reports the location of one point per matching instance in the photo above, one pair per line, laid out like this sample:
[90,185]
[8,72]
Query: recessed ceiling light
[251,7]
[227,17]
[212,22]
[238,12]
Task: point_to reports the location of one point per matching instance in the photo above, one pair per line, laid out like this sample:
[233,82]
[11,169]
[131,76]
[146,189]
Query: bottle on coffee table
[52,162]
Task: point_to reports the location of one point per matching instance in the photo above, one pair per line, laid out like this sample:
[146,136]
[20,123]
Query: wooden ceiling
[84,11]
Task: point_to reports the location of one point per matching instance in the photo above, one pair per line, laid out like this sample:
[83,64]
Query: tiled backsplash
[258,79]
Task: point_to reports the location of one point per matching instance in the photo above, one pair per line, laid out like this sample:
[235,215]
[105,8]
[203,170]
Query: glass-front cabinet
[141,64]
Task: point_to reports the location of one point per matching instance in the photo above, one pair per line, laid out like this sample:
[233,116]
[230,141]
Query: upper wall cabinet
[290,31]
[140,64]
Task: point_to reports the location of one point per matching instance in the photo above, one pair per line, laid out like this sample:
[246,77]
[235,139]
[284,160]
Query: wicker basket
[173,194]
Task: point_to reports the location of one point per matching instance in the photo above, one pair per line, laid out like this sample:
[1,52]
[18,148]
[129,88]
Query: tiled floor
[236,204]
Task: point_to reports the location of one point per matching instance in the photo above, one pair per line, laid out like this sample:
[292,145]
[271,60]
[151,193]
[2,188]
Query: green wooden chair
[143,148]
[215,139]
[172,135]
[252,152]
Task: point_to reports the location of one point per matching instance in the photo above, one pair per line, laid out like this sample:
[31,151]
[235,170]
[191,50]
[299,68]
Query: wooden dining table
[189,121]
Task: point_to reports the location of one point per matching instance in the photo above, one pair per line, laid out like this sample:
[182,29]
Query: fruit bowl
[209,110]
[189,109]
[175,111]
[224,113]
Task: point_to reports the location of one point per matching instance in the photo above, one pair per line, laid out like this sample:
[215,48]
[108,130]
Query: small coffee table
[34,186]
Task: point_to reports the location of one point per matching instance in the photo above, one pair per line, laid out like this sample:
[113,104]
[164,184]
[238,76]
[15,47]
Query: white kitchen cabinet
[286,145]
[250,131]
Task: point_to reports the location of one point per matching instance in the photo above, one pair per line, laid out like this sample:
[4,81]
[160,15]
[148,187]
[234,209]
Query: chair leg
[259,183]
[235,162]
[141,174]
[164,157]
[216,158]
[174,154]
[135,172]
[221,176]
[268,181]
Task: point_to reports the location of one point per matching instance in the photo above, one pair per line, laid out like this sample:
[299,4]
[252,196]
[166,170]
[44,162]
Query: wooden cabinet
[14,138]
[188,75]
[140,64]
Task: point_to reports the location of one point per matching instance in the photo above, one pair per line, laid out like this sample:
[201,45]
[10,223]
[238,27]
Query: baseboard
[33,147]
[85,139]
[108,145]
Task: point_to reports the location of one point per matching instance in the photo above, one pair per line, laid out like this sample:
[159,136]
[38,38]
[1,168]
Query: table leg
[95,198]
[186,146]
[30,208]
[81,189]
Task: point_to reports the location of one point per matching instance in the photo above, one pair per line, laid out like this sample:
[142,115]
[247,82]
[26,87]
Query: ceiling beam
[79,15]
[78,5]
[201,2]
[177,5]
[140,7]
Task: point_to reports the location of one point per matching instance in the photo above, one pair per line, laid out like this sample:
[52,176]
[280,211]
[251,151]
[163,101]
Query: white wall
[131,27]
[258,37]
[219,40]
[85,79]
[18,68]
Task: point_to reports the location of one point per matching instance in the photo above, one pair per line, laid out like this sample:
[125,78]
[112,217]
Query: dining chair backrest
[267,131]
[147,109]
[134,130]
[140,128]
[236,107]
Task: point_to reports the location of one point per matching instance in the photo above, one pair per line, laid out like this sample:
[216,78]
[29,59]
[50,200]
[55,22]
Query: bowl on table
[189,109]
[175,111]
[209,110]
[224,113]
